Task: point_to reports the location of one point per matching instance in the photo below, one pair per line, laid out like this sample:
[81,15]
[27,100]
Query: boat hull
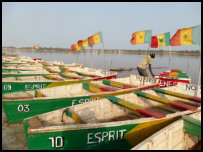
[16,111]
[9,87]
[120,136]
[171,82]
[172,137]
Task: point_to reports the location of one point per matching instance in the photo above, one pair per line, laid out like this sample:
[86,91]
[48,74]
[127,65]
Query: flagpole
[199,68]
[148,54]
[84,56]
[104,59]
[187,62]
[77,57]
[148,49]
[92,57]
[170,58]
[198,85]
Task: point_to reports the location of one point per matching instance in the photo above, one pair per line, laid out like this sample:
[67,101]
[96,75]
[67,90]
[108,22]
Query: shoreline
[160,52]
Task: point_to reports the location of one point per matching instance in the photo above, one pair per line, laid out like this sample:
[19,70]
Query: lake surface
[115,61]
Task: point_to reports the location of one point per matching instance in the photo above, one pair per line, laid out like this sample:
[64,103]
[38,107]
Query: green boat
[20,105]
[115,122]
[50,77]
[11,70]
[26,82]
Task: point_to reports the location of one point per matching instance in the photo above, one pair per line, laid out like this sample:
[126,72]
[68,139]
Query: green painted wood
[38,106]
[8,63]
[116,137]
[74,116]
[192,126]
[78,139]
[13,70]
[16,111]
[85,86]
[20,75]
[9,87]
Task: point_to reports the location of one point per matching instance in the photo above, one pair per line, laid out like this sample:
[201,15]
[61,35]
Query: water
[115,61]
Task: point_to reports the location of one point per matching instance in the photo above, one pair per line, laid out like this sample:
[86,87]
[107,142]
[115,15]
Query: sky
[61,24]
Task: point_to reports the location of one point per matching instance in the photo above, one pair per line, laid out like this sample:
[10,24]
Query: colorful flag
[76,47]
[95,39]
[141,37]
[35,47]
[187,36]
[84,43]
[80,43]
[73,48]
[160,40]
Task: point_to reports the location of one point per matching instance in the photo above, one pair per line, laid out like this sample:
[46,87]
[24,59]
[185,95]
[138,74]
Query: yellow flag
[140,37]
[161,40]
[85,43]
[186,36]
[78,48]
[96,38]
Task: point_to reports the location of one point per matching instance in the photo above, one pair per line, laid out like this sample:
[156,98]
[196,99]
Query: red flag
[91,40]
[133,41]
[154,42]
[175,40]
[73,48]
[80,43]
[134,34]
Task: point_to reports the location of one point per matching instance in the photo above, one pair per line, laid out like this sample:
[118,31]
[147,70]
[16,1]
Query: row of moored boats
[71,106]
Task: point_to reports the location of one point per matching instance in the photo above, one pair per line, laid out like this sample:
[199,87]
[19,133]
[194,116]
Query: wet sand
[13,135]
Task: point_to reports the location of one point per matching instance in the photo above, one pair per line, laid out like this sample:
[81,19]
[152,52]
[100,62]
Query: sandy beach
[13,135]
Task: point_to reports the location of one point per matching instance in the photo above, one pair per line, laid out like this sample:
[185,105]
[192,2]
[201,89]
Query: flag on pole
[35,47]
[73,48]
[76,47]
[95,39]
[141,37]
[161,40]
[187,36]
[80,43]
[84,43]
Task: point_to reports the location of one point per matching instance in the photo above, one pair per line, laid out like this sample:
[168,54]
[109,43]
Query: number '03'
[57,142]
[24,108]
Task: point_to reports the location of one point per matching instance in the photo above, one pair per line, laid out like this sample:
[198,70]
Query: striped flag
[141,37]
[95,39]
[187,36]
[84,43]
[73,48]
[76,47]
[160,40]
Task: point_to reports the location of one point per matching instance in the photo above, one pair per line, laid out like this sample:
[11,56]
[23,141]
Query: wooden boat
[182,134]
[40,69]
[55,68]
[20,105]
[25,82]
[6,70]
[36,68]
[167,78]
[50,76]
[113,122]
[10,55]
[15,60]
[172,78]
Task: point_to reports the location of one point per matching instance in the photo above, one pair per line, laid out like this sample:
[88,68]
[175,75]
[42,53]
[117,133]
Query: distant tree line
[108,50]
